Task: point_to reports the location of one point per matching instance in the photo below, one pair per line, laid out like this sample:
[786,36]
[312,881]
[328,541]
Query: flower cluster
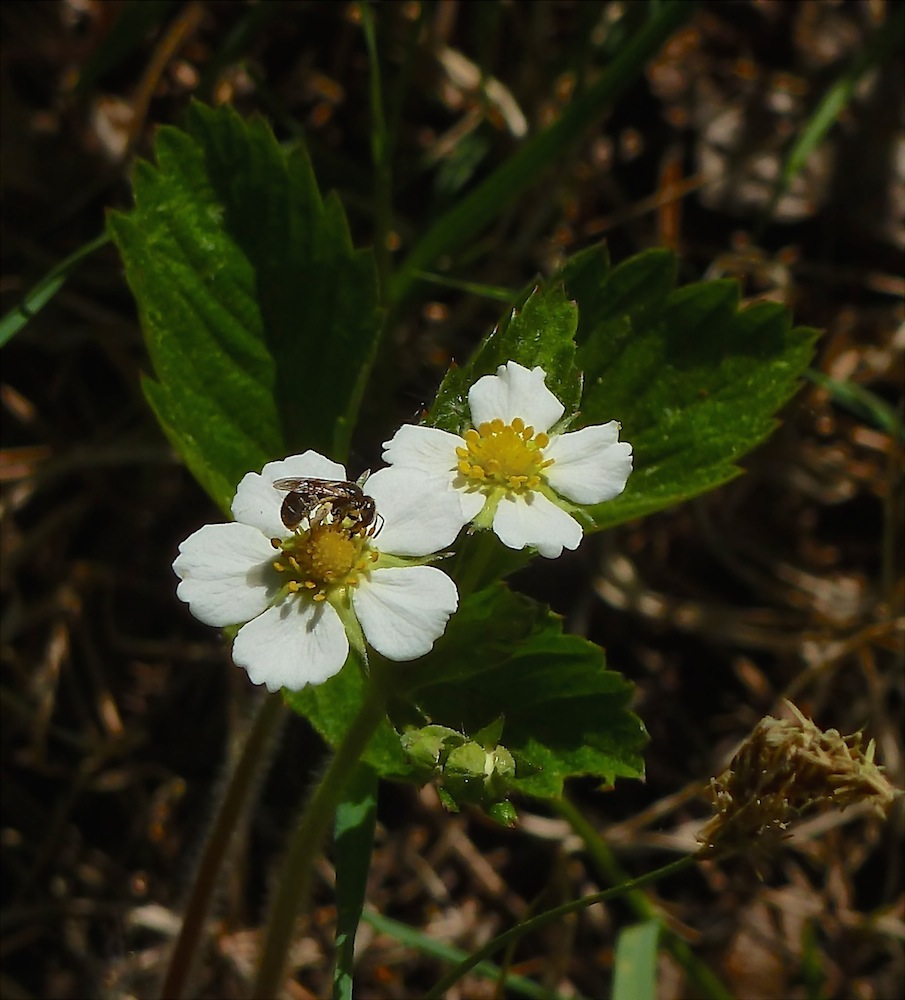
[314,564]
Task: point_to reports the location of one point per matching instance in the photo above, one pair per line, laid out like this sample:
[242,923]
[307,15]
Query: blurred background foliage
[763,141]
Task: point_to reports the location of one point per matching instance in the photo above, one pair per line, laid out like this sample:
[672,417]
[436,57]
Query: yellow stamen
[324,558]
[503,455]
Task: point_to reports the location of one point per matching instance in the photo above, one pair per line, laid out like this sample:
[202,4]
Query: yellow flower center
[503,455]
[324,559]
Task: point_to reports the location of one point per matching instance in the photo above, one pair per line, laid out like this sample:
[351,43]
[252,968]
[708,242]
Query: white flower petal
[535,520]
[421,514]
[258,503]
[404,611]
[514,392]
[472,502]
[227,573]
[426,448]
[294,643]
[590,465]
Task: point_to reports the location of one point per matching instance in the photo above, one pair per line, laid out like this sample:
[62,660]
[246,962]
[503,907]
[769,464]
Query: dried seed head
[783,769]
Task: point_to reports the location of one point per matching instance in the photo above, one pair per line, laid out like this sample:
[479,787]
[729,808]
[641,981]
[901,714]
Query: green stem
[603,860]
[295,875]
[551,916]
[242,782]
[483,559]
[472,561]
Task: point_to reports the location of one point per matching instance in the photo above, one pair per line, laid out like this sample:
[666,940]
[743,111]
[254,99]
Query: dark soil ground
[119,711]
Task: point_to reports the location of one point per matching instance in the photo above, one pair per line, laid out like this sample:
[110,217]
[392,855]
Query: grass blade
[356,817]
[417,941]
[488,200]
[45,290]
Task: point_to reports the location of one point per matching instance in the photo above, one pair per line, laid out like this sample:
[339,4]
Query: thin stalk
[551,916]
[474,560]
[242,782]
[295,875]
[603,860]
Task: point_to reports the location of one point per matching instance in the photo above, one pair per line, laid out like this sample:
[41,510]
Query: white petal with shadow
[403,611]
[514,392]
[590,465]
[226,573]
[426,448]
[294,643]
[421,514]
[536,521]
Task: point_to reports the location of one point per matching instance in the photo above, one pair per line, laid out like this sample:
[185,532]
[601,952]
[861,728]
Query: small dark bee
[313,500]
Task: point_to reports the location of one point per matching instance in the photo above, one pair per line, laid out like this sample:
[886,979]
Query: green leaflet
[503,655]
[694,380]
[261,319]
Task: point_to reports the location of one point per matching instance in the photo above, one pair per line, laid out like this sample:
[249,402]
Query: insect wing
[289,484]
[341,498]
[300,485]
[322,488]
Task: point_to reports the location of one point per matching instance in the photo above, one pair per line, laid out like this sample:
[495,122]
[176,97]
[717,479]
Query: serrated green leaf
[503,655]
[495,620]
[694,380]
[485,630]
[623,297]
[540,333]
[261,319]
[565,713]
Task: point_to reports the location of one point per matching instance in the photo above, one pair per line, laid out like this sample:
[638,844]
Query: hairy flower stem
[295,876]
[242,782]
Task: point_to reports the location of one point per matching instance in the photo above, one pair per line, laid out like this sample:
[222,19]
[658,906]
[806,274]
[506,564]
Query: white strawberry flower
[303,595]
[511,470]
